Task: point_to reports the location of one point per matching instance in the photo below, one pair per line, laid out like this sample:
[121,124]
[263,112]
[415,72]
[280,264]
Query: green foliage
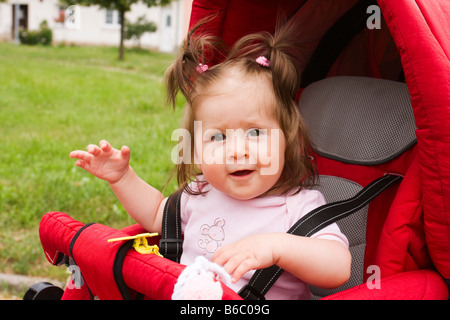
[32,37]
[135,30]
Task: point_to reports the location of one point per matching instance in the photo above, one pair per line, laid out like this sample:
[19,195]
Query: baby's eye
[219,136]
[255,132]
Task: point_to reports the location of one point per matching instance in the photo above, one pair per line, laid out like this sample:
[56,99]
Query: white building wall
[5,21]
[38,11]
[92,28]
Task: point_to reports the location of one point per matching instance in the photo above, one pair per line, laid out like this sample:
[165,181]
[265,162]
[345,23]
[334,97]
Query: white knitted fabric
[200,281]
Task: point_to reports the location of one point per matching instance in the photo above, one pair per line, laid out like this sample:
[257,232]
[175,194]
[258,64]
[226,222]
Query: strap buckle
[140,243]
[249,292]
[171,248]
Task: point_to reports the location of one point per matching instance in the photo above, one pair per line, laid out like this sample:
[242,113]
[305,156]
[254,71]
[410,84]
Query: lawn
[57,99]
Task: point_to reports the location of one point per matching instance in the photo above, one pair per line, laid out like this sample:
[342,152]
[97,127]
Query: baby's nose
[237,146]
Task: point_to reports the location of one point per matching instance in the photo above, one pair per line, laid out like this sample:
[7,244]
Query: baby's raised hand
[103,161]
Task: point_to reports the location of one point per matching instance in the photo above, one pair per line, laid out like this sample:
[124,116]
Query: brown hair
[284,53]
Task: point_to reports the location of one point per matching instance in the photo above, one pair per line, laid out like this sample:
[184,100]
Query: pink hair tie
[263,61]
[201,68]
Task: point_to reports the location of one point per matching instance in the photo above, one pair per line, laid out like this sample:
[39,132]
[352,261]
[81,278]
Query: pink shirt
[213,220]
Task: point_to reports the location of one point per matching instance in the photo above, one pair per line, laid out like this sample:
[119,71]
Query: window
[112,17]
[109,16]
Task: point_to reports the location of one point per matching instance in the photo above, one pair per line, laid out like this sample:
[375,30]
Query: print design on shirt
[214,235]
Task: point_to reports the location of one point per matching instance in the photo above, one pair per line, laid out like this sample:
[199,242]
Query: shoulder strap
[171,243]
[263,279]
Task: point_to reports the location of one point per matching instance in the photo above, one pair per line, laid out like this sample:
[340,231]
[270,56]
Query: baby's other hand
[254,252]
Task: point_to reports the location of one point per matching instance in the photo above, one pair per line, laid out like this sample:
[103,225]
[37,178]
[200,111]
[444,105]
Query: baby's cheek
[271,156]
[213,153]
[213,173]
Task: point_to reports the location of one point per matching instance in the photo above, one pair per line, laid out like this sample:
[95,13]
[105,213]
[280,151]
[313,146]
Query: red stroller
[376,98]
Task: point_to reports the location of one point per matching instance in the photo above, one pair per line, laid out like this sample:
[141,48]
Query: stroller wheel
[43,291]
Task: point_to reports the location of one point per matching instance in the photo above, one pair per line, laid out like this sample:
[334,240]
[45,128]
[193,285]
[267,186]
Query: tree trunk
[122,32]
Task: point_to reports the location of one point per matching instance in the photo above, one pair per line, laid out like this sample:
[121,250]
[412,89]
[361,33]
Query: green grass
[57,99]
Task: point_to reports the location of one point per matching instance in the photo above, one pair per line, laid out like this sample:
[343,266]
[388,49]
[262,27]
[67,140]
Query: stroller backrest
[358,121]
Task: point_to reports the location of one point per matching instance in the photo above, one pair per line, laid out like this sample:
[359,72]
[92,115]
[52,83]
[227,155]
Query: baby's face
[239,145]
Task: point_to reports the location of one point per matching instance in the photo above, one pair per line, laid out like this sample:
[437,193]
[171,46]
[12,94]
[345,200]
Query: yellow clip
[140,243]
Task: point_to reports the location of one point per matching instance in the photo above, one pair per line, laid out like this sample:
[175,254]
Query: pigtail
[197,52]
[178,76]
[287,61]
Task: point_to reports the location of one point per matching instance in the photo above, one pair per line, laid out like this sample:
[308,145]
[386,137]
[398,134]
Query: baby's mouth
[241,173]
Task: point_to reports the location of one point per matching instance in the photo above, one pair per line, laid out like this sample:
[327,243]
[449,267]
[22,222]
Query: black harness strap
[118,275]
[309,224]
[117,269]
[171,243]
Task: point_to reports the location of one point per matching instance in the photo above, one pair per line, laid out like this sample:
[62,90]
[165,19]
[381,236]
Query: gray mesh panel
[354,227]
[359,120]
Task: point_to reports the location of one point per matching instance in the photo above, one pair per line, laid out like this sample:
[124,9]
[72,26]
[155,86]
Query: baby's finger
[230,264]
[105,145]
[82,155]
[241,269]
[221,256]
[93,149]
[125,152]
[82,164]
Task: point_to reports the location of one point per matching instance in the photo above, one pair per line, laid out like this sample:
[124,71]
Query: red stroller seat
[363,128]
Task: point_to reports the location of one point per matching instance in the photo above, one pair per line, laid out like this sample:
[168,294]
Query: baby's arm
[142,202]
[320,262]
